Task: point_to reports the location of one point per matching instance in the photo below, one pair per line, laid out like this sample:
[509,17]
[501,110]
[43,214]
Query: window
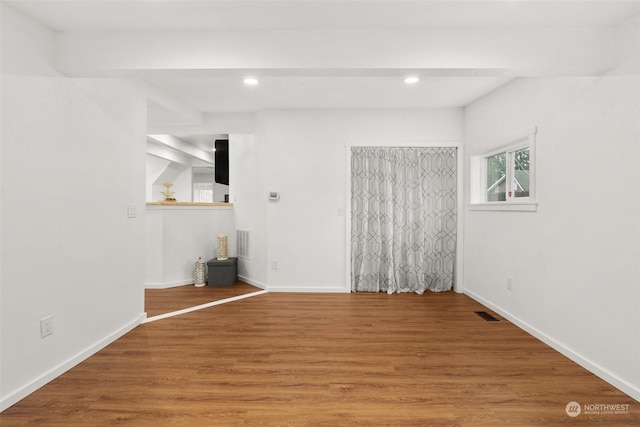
[504,179]
[496,177]
[203,192]
[202,184]
[508,176]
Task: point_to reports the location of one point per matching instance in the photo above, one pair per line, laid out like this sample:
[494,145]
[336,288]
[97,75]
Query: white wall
[248,195]
[574,262]
[72,161]
[627,51]
[219,191]
[182,185]
[301,155]
[155,167]
[177,235]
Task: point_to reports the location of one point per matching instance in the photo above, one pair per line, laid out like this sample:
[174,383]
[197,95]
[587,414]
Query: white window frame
[478,193]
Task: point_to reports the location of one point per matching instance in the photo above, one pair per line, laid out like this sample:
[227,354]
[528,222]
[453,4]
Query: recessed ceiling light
[411,79]
[250,81]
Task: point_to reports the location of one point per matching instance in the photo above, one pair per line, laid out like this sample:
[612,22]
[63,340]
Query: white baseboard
[333,290]
[592,367]
[252,282]
[166,285]
[63,367]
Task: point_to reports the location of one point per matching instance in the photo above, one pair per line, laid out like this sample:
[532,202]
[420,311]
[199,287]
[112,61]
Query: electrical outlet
[275,264]
[46,326]
[509,283]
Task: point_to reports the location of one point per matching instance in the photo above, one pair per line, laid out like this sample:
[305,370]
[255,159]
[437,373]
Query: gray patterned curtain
[403,219]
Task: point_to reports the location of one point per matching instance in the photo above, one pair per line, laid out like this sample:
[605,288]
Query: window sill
[505,206]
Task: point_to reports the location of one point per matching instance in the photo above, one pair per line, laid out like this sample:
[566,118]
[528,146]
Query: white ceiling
[181,15]
[224,92]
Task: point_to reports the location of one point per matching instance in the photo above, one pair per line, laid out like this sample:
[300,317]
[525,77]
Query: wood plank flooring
[328,360]
[161,301]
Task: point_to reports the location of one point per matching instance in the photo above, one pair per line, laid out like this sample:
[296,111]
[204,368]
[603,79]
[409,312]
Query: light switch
[132,211]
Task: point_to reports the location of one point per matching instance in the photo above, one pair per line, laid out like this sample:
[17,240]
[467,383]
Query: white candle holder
[199,273]
[223,247]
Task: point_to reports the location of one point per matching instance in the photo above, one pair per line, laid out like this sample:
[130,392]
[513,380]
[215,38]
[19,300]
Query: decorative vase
[199,273]
[222,247]
[168,193]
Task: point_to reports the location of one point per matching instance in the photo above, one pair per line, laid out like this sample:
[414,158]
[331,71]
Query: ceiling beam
[167,154]
[182,147]
[501,51]
[214,123]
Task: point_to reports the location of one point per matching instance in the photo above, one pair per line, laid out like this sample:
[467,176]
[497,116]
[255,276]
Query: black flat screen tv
[222,161]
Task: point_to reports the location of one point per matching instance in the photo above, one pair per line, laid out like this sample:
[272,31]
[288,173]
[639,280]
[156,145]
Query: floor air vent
[486,316]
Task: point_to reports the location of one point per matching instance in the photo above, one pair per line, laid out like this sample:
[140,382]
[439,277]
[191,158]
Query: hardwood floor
[325,359]
[161,301]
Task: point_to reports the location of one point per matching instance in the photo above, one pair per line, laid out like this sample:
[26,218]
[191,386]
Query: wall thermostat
[274,196]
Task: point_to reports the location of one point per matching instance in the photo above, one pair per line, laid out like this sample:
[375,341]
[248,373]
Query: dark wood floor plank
[325,359]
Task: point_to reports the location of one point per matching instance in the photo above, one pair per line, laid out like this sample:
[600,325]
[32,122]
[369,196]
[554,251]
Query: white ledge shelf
[188,204]
[503,206]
